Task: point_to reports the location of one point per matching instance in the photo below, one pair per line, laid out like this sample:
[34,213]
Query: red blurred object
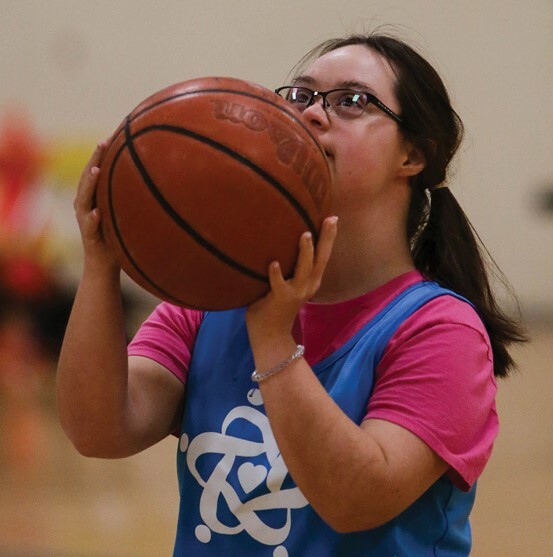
[25,277]
[21,158]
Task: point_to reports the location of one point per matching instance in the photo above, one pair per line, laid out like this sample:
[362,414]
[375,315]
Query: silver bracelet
[257,377]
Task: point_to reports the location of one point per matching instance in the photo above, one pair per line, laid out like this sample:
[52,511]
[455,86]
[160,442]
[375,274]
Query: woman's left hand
[272,317]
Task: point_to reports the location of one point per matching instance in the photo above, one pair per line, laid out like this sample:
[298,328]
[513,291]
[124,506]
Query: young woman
[371,413]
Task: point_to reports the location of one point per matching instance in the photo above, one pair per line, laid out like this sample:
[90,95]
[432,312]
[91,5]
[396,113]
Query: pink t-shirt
[435,377]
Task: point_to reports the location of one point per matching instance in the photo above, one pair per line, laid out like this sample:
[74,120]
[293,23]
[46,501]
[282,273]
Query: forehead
[352,64]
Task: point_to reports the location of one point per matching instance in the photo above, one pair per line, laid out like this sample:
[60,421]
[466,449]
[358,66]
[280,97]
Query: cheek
[369,159]
[360,176]
[360,166]
[351,184]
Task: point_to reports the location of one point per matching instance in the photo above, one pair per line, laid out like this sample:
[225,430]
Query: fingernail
[333,220]
[94,170]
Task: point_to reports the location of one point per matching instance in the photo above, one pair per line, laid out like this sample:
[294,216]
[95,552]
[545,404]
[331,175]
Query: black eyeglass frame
[371,99]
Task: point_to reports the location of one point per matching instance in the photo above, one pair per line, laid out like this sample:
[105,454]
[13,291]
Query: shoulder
[444,316]
[168,336]
[450,308]
[175,316]
[445,338]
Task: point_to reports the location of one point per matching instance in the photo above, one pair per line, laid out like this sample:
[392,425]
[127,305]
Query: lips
[328,153]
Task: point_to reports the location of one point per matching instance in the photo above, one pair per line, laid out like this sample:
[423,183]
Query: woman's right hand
[88,215]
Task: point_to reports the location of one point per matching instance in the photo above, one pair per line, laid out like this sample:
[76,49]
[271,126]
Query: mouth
[328,153]
[329,158]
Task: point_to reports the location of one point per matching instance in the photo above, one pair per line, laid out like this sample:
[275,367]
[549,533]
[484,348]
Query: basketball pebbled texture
[204,184]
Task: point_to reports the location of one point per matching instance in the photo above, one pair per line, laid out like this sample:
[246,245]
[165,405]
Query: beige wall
[79,66]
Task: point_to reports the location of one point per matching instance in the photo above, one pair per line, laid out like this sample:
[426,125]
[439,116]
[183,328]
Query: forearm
[355,476]
[92,377]
[337,466]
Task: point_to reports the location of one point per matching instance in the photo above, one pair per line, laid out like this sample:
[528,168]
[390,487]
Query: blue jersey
[237,497]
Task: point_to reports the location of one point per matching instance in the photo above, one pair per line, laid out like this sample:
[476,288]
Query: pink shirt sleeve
[436,380]
[167,337]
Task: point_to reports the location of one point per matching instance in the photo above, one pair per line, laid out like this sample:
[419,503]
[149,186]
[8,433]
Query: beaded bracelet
[257,377]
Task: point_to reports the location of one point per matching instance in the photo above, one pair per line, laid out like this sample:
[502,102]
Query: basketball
[204,184]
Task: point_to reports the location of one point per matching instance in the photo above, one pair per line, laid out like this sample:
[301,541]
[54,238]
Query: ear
[413,161]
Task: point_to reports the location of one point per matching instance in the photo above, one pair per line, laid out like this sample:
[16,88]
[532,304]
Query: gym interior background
[71,70]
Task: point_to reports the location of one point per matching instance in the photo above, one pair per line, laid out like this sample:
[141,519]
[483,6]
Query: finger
[324,245]
[304,263]
[89,177]
[95,158]
[276,280]
[84,199]
[104,147]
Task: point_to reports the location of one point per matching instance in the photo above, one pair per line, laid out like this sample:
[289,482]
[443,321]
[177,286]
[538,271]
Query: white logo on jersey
[250,476]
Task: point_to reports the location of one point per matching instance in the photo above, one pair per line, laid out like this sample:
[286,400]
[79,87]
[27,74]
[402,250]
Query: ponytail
[449,251]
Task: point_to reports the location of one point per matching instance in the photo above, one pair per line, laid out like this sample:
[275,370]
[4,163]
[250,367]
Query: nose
[316,114]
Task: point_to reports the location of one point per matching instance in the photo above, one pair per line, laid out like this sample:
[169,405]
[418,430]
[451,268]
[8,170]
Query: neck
[366,254]
[349,277]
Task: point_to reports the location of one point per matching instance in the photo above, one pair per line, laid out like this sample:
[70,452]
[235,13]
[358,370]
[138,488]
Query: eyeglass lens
[346,103]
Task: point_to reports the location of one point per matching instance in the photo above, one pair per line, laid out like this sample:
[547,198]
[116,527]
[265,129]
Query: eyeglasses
[345,103]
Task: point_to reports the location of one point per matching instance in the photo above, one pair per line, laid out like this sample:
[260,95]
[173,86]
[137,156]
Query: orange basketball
[204,184]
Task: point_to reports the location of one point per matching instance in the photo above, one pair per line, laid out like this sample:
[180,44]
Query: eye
[298,95]
[350,100]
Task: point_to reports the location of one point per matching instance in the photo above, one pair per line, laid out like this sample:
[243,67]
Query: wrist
[261,375]
[104,268]
[267,340]
[272,351]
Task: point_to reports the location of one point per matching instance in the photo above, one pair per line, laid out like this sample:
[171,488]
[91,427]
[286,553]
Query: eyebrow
[348,84]
[303,79]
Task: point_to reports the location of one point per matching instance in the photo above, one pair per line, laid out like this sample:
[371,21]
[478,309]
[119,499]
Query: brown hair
[444,244]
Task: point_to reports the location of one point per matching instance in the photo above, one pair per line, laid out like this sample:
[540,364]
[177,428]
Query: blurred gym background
[72,69]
